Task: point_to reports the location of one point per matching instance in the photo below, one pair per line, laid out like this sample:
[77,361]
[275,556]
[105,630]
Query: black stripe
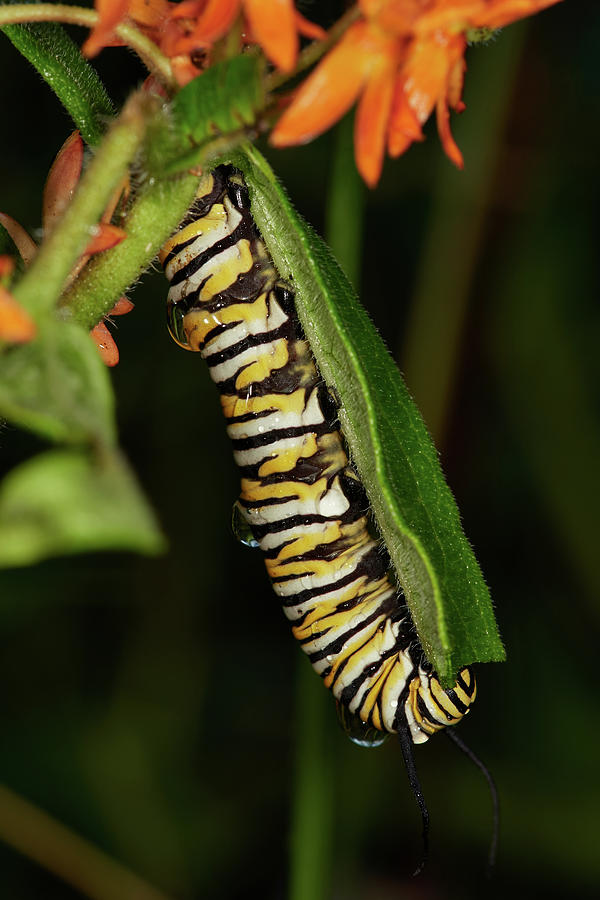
[230,240]
[251,340]
[254,441]
[451,694]
[269,501]
[469,689]
[214,332]
[427,715]
[347,518]
[250,416]
[372,566]
[337,645]
[289,378]
[401,718]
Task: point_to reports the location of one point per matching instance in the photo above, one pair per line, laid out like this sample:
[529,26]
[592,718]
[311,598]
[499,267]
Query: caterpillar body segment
[305,504]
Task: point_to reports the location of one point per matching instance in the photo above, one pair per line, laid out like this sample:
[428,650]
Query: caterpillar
[301,498]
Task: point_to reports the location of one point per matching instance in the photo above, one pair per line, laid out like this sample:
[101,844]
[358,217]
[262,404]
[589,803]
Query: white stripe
[181,290]
[256,325]
[331,503]
[306,582]
[231,367]
[311,415]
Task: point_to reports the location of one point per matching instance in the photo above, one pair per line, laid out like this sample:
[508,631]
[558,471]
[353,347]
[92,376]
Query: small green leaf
[57,58]
[57,386]
[413,506]
[65,501]
[223,100]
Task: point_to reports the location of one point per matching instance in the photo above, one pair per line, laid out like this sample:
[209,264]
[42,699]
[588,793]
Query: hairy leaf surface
[389,444]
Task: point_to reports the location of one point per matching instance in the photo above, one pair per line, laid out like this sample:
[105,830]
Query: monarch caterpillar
[304,503]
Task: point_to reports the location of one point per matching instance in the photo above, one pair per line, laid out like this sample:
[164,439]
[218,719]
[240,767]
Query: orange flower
[181,29]
[402,59]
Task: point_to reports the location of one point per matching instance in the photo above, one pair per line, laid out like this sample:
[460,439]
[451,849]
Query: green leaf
[65,501]
[58,387]
[57,58]
[223,100]
[395,457]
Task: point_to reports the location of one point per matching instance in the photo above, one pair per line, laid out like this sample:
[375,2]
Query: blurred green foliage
[149,703]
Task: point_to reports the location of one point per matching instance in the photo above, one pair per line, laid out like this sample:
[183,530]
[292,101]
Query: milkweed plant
[222,74]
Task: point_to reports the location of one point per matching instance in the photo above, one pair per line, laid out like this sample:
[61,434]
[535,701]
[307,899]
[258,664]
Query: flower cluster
[186,31]
[399,60]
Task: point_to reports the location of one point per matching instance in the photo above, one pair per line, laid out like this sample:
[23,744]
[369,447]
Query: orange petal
[104,341]
[448,142]
[121,307]
[111,12]
[404,127]
[16,325]
[309,29]
[456,78]
[7,265]
[461,14]
[24,244]
[148,12]
[274,28]
[215,20]
[425,74]
[188,9]
[371,122]
[62,180]
[329,91]
[105,237]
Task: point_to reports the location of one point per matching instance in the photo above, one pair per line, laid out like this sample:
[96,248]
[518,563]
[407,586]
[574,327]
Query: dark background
[150,704]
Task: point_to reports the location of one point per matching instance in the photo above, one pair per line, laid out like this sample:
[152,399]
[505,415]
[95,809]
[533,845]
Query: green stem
[313,801]
[41,285]
[155,61]
[432,343]
[153,217]
[346,204]
[41,838]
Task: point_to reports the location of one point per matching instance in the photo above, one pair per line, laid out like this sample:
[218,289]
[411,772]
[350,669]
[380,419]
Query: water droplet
[175,323]
[359,733]
[241,527]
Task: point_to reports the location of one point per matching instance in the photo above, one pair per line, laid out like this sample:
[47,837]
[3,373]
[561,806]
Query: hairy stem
[43,282]
[154,216]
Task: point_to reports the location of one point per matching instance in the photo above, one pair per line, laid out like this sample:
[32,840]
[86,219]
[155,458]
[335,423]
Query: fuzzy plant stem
[43,282]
